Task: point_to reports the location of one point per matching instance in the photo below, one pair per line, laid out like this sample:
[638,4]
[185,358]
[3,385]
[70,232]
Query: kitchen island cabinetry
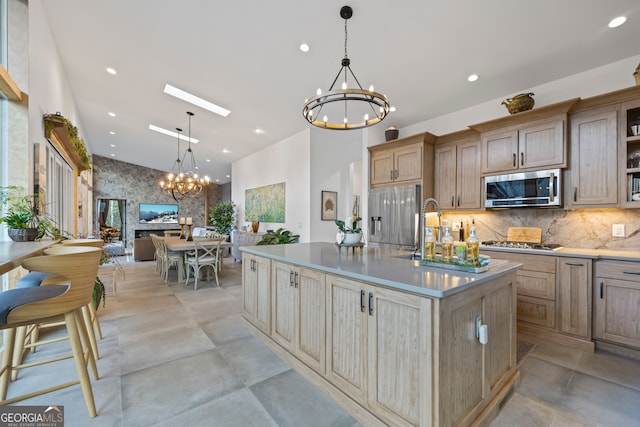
[457,180]
[401,341]
[256,291]
[616,293]
[593,177]
[298,312]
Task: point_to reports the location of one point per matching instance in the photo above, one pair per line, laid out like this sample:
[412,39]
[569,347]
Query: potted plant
[278,237]
[24,218]
[223,217]
[349,235]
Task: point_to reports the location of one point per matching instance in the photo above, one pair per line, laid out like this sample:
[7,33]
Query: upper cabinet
[534,139]
[457,180]
[630,142]
[593,178]
[403,161]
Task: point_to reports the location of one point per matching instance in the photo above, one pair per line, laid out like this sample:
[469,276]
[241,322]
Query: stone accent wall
[579,228]
[113,179]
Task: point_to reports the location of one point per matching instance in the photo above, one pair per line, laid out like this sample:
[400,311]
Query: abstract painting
[265,204]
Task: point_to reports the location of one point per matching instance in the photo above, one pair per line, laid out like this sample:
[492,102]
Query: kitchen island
[389,340]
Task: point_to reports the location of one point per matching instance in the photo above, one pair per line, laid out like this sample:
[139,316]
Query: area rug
[523,349]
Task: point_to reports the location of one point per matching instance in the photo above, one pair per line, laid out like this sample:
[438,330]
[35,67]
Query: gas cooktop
[522,245]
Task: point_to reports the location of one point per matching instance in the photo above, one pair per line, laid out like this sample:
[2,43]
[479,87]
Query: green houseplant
[278,237]
[24,217]
[222,217]
[349,235]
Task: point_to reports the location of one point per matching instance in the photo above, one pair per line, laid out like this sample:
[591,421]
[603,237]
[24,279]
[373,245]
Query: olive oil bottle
[473,248]
[430,245]
[447,245]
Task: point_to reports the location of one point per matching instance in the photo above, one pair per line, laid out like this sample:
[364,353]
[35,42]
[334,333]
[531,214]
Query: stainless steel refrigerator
[394,216]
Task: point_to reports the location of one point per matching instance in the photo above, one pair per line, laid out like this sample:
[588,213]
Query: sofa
[240,238]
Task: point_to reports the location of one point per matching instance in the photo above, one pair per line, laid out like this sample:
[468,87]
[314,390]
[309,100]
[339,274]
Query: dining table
[183,246]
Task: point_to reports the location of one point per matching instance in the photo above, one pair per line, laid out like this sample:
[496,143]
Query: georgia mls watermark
[31,416]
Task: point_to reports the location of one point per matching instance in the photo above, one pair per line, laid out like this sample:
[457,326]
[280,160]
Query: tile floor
[171,356]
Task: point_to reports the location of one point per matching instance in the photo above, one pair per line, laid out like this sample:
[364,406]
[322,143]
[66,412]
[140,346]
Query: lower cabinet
[377,349]
[616,294]
[575,297]
[298,312]
[256,291]
[388,356]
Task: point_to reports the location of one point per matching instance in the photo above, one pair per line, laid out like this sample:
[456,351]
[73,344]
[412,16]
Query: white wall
[287,161]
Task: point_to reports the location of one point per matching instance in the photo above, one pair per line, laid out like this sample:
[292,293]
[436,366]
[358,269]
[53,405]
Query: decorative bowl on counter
[519,103]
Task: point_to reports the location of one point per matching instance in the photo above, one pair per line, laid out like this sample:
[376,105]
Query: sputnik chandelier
[182,182]
[343,108]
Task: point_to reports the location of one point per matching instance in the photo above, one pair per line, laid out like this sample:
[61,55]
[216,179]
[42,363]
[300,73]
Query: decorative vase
[391,133]
[519,103]
[351,238]
[255,225]
[23,234]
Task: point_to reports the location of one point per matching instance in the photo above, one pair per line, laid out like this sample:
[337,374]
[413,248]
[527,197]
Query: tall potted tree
[222,217]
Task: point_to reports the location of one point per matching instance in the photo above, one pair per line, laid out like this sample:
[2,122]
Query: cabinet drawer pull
[362,301]
[631,272]
[575,264]
[514,160]
[601,290]
[296,280]
[291,278]
[370,303]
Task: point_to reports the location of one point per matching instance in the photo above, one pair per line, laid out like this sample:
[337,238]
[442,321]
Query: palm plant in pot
[349,235]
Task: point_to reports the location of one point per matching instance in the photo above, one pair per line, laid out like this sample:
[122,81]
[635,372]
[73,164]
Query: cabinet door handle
[362,301]
[291,278]
[296,280]
[514,160]
[397,174]
[601,289]
[458,201]
[453,201]
[391,174]
[574,264]
[253,265]
[521,159]
[370,303]
[552,179]
[631,272]
[575,194]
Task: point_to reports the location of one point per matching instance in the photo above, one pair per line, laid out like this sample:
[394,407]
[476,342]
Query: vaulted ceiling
[245,56]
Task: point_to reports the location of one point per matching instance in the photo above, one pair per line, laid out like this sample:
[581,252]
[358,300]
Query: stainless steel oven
[524,189]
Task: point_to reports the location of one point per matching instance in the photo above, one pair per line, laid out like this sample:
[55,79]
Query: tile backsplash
[581,228]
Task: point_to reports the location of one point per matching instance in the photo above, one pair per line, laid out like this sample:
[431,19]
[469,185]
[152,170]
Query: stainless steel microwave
[524,189]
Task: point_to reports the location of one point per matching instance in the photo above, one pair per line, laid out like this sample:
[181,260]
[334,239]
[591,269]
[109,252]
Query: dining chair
[201,257]
[62,295]
[168,258]
[157,256]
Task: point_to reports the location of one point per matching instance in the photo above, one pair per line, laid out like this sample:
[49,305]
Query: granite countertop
[385,267]
[603,254]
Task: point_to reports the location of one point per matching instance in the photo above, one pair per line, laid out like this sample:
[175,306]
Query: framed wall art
[329,206]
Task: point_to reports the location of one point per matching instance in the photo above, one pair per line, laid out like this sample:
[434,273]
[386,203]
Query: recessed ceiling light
[226,151]
[228,176]
[392,109]
[112,145]
[304,47]
[112,132]
[172,133]
[113,155]
[111,71]
[616,22]
[192,99]
[259,130]
[112,114]
[207,160]
[217,180]
[472,77]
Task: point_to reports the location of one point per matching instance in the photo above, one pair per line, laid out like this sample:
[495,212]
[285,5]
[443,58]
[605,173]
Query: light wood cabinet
[575,296]
[256,291]
[457,179]
[630,148]
[536,145]
[593,176]
[396,166]
[616,294]
[377,342]
[298,312]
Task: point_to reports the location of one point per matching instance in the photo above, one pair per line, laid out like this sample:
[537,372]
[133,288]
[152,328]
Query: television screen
[153,213]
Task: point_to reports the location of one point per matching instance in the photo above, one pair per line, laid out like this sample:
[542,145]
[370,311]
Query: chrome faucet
[424,224]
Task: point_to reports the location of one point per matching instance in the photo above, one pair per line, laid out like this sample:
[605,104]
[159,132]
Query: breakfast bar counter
[391,341]
[13,253]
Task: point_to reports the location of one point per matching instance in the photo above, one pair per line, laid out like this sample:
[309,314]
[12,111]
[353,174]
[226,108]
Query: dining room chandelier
[183,180]
[347,107]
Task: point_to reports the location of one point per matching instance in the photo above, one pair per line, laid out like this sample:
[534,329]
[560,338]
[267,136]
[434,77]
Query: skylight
[172,133]
[195,100]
